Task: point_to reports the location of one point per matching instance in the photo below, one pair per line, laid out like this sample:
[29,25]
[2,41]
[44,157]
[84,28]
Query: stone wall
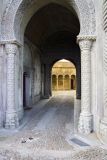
[3,5]
[97,67]
[32,66]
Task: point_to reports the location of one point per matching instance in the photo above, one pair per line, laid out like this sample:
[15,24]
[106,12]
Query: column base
[103,131]
[85,125]
[1,120]
[12,121]
[46,96]
[103,128]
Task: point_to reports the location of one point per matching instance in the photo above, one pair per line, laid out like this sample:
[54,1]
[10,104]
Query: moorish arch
[21,11]
[14,22]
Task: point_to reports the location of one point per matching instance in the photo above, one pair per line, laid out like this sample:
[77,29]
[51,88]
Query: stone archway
[22,10]
[15,19]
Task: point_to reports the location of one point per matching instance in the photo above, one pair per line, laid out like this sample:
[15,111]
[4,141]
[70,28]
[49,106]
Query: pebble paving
[45,136]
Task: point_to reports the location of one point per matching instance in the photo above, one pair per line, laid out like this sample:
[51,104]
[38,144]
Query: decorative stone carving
[86,118]
[103,128]
[11,113]
[105,55]
[1,89]
[105,15]
[103,124]
[16,9]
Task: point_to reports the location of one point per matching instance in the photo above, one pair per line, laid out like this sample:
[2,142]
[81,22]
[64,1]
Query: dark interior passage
[50,36]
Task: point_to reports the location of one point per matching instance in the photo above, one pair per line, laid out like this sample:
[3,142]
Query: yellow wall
[63,76]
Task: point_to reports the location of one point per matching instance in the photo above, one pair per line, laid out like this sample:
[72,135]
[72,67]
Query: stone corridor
[46,132]
[57,113]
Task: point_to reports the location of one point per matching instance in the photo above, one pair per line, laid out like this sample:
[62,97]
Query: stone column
[57,83]
[103,125]
[86,118]
[1,87]
[47,84]
[11,112]
[63,82]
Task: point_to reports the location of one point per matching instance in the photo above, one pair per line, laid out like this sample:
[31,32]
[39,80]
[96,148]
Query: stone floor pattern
[45,134]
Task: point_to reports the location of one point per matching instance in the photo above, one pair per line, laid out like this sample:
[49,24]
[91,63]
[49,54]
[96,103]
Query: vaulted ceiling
[53,25]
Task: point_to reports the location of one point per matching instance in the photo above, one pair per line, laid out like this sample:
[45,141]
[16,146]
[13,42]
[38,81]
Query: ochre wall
[63,76]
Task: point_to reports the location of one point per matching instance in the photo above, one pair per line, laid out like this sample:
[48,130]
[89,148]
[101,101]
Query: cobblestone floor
[44,137]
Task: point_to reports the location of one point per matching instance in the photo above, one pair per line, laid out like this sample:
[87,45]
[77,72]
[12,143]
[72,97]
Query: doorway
[26,90]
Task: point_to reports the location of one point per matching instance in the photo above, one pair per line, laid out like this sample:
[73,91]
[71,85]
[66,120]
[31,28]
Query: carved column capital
[105,15]
[85,42]
[11,48]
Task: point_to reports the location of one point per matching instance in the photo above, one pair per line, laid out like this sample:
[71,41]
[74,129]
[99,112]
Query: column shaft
[57,83]
[105,78]
[11,113]
[86,120]
[1,85]
[63,82]
[47,81]
[103,124]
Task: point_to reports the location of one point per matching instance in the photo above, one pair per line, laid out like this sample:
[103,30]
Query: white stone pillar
[1,87]
[11,112]
[86,118]
[103,125]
